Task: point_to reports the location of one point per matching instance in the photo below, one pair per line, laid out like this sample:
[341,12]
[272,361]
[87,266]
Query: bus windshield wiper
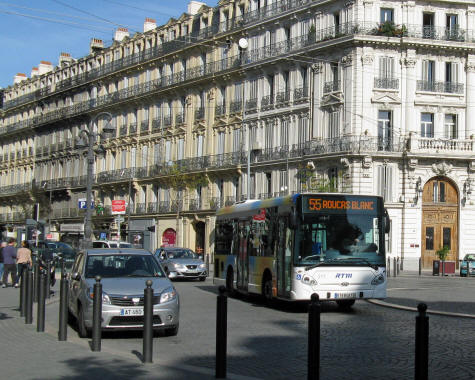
[359,259]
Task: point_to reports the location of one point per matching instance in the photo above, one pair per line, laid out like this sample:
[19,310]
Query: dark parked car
[181,263]
[467,267]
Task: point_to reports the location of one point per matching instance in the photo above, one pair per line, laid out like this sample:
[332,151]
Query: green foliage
[179,178]
[442,253]
[389,29]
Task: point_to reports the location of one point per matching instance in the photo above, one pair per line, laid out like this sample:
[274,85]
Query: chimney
[65,59]
[96,45]
[121,33]
[20,77]
[149,24]
[34,72]
[44,67]
[194,7]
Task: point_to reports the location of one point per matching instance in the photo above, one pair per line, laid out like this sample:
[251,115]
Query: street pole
[243,45]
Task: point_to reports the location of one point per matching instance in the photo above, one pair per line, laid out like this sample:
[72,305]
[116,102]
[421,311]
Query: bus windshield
[345,239]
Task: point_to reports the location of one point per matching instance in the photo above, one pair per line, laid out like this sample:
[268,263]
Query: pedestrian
[2,245]
[23,258]
[9,265]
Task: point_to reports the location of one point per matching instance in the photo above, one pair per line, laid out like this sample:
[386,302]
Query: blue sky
[34,31]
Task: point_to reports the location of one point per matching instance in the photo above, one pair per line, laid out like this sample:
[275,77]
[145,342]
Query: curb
[414,309]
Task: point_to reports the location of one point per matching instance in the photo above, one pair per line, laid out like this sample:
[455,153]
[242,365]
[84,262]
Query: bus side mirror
[293,220]
[387,222]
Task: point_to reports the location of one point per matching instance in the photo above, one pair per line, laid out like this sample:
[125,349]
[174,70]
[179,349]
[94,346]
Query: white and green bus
[290,247]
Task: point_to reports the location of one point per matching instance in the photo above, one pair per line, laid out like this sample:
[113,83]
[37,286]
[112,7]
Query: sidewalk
[28,354]
[449,295]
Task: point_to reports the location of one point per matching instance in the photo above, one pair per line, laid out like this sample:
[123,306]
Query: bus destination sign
[339,204]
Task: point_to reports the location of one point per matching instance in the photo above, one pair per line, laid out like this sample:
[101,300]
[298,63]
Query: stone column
[409,63]
[470,114]
[367,84]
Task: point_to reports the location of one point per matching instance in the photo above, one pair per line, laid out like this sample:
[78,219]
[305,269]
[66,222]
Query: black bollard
[221,333]
[40,327]
[36,281]
[22,293]
[97,315]
[401,266]
[148,322]
[207,265]
[398,265]
[394,267]
[422,344]
[420,266]
[48,279]
[313,360]
[388,269]
[29,297]
[63,309]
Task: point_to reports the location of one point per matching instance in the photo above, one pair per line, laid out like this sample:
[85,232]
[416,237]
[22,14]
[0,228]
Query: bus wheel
[267,287]
[230,282]
[345,304]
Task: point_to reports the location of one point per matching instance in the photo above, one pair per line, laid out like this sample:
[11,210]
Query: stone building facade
[362,96]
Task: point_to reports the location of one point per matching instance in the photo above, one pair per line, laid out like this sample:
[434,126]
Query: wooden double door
[439,220]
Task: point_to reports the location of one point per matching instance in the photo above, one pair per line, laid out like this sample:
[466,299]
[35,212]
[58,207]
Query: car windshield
[125,245]
[339,240]
[469,257]
[182,254]
[118,265]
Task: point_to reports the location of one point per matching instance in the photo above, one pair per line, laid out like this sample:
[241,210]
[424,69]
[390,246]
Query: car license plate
[345,295]
[131,311]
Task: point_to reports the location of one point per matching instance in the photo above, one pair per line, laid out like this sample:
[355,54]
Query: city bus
[293,246]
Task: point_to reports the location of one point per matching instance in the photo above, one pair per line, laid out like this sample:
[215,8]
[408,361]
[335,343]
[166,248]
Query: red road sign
[118,206]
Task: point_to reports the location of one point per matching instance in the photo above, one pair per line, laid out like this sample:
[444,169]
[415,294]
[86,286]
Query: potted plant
[442,254]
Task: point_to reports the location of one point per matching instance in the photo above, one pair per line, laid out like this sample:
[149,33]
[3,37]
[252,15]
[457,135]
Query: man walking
[9,263]
[3,245]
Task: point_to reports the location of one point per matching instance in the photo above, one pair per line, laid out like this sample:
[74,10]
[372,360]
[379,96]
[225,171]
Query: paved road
[266,343]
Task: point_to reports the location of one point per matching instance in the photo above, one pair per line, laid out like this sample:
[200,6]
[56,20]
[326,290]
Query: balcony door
[439,220]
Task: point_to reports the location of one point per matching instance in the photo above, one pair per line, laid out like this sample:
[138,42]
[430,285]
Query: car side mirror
[76,276]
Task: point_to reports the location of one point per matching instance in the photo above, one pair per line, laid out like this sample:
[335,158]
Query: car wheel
[82,330]
[267,288]
[345,304]
[172,331]
[202,278]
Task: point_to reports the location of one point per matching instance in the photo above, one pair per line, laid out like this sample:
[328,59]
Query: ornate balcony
[235,106]
[282,97]
[251,105]
[442,87]
[267,102]
[144,127]
[200,113]
[386,83]
[164,206]
[300,93]
[332,86]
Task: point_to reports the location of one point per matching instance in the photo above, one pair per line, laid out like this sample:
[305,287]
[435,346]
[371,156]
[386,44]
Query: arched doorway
[439,220]
[200,238]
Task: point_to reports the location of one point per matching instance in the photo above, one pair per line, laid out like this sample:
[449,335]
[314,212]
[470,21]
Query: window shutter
[389,183]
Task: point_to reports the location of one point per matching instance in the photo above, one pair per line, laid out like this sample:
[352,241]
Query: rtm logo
[343,275]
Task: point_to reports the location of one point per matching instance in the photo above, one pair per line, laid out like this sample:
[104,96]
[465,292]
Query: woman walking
[23,258]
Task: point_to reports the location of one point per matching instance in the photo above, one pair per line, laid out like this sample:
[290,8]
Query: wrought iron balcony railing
[332,86]
[443,87]
[267,102]
[386,83]
[235,106]
[200,113]
[220,110]
[301,93]
[282,97]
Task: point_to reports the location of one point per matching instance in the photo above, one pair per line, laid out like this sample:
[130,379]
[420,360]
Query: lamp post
[91,136]
[243,45]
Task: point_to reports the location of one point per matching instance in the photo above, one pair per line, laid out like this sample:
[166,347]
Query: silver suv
[123,275]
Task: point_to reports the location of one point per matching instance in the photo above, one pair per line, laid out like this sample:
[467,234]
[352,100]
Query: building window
[450,126]
[385,174]
[384,130]
[429,238]
[284,133]
[387,15]
[446,238]
[334,124]
[438,192]
[428,71]
[427,125]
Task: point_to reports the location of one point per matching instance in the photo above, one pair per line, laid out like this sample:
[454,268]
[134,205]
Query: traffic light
[151,228]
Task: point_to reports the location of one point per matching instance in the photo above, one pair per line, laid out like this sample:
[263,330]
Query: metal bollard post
[40,327]
[63,309]
[148,322]
[63,268]
[420,266]
[398,265]
[36,280]
[313,365]
[221,333]
[22,293]
[48,279]
[402,264]
[97,315]
[388,269]
[422,344]
[29,297]
[394,267]
[207,264]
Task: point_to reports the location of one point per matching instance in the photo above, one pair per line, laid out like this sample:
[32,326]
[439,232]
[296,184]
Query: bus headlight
[307,280]
[378,280]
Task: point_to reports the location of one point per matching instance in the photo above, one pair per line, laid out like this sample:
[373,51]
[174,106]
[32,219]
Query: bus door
[243,257]
[284,258]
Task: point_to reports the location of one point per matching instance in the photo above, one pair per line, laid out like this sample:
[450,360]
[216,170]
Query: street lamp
[243,45]
[91,138]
